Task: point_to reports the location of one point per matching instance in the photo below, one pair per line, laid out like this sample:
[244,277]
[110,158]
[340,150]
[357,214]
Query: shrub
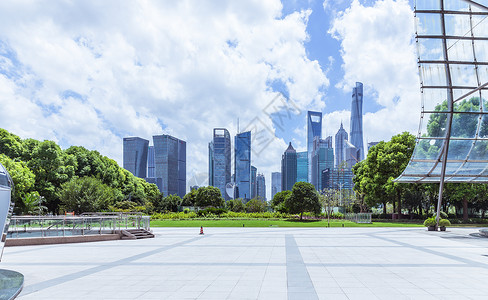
[444,223]
[430,222]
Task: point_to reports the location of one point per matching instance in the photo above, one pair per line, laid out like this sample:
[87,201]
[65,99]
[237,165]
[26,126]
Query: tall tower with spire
[340,141]
[288,168]
[357,119]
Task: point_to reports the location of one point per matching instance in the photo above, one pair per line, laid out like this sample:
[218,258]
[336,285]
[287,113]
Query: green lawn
[269,223]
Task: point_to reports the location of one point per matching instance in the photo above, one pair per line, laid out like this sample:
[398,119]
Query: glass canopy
[452,47]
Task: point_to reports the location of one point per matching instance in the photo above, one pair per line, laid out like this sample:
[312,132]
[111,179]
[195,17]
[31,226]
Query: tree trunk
[301,214]
[420,210]
[384,209]
[394,206]
[465,209]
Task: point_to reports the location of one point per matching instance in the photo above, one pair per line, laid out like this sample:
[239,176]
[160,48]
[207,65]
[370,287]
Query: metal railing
[359,217]
[86,224]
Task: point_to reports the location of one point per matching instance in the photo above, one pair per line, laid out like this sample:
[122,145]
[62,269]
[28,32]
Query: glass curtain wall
[452,46]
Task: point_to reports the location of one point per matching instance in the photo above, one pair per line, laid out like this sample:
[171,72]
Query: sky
[89,73]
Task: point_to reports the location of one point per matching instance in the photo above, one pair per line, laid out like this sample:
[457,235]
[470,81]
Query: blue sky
[89,73]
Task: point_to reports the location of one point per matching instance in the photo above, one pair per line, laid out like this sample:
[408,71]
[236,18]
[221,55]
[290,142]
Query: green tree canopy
[303,198]
[209,196]
[86,194]
[235,205]
[255,205]
[22,177]
[278,201]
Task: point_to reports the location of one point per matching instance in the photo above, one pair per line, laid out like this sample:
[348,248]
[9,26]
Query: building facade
[275,183]
[340,140]
[242,165]
[351,155]
[170,164]
[288,168]
[219,155]
[261,187]
[314,129]
[254,187]
[151,167]
[322,158]
[356,130]
[135,156]
[302,166]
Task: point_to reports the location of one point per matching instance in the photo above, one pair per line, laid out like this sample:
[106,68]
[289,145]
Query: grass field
[269,223]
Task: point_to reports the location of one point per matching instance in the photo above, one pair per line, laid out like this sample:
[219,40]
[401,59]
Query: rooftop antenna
[238,125]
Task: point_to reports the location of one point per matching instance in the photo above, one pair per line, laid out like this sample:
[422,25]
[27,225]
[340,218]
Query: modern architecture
[351,155]
[322,158]
[302,166]
[151,167]
[340,138]
[261,187]
[219,160]
[371,144]
[242,165]
[170,163]
[288,168]
[314,128]
[275,183]
[135,156]
[356,131]
[254,187]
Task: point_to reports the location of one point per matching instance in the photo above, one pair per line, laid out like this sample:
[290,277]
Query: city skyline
[89,77]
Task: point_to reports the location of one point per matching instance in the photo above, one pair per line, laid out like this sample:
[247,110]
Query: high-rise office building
[302,166]
[219,156]
[254,187]
[371,144]
[275,183]
[340,138]
[356,131]
[151,167]
[314,128]
[288,168]
[170,162]
[351,155]
[322,158]
[135,156]
[242,165]
[261,187]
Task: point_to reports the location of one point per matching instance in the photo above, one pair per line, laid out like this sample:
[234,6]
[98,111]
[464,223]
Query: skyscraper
[261,187]
[254,187]
[170,162]
[275,183]
[314,128]
[340,138]
[357,119]
[151,167]
[242,165]
[219,171]
[135,155]
[302,166]
[288,168]
[351,155]
[322,158]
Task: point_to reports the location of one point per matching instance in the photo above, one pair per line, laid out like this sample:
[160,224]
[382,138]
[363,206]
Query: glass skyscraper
[254,187]
[261,187]
[275,183]
[302,166]
[135,155]
[151,167]
[322,158]
[340,140]
[288,168]
[242,165]
[219,151]
[356,131]
[314,128]
[170,163]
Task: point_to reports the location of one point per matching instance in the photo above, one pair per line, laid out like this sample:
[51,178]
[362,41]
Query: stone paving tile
[260,263]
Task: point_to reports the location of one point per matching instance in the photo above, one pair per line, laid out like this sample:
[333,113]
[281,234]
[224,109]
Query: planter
[431,228]
[443,228]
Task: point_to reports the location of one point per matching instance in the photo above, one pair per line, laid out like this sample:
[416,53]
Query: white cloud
[378,49]
[190,66]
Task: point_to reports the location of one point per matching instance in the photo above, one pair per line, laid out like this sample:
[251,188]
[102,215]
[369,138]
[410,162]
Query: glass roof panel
[427,4]
[463,75]
[458,25]
[433,98]
[460,50]
[430,49]
[458,149]
[481,49]
[433,74]
[464,125]
[428,24]
[427,149]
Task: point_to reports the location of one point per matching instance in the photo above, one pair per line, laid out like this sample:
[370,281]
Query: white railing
[359,217]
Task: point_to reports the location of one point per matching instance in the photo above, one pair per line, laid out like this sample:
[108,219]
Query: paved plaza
[261,263]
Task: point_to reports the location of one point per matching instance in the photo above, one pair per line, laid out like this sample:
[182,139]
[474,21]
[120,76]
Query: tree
[10,144]
[190,198]
[329,198]
[303,198]
[85,194]
[22,177]
[278,201]
[168,203]
[32,204]
[255,205]
[209,196]
[235,205]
